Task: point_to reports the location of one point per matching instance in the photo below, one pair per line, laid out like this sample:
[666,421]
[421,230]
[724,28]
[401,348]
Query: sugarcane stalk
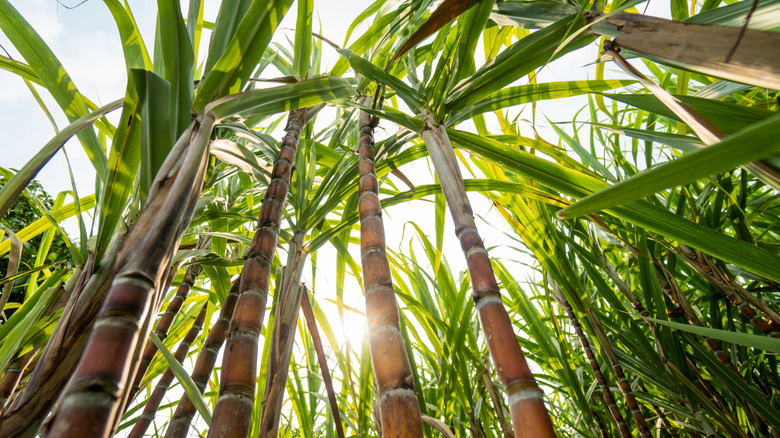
[283,336]
[311,323]
[204,364]
[233,412]
[399,412]
[625,387]
[526,400]
[143,338]
[97,388]
[614,411]
[164,324]
[86,291]
[154,400]
[13,375]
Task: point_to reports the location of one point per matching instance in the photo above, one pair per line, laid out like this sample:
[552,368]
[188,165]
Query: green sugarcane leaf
[178,59]
[20,69]
[764,15]
[584,155]
[156,113]
[682,142]
[243,52]
[728,117]
[195,24]
[267,101]
[410,96]
[123,162]
[750,144]
[517,61]
[45,223]
[54,77]
[511,96]
[746,339]
[15,329]
[15,277]
[471,24]
[133,46]
[737,385]
[14,187]
[393,115]
[367,40]
[530,15]
[303,39]
[447,11]
[184,378]
[231,12]
[641,213]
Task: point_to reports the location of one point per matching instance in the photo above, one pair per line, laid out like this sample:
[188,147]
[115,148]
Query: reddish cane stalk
[399,411]
[311,323]
[13,375]
[153,402]
[288,303]
[594,365]
[526,400]
[164,324]
[625,387]
[233,412]
[65,345]
[207,357]
[92,402]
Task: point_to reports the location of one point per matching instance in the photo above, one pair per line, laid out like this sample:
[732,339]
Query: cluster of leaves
[27,209]
[669,247]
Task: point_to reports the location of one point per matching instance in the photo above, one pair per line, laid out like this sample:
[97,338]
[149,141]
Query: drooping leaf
[752,143]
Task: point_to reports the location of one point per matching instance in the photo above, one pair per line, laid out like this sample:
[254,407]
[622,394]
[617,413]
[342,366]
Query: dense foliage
[637,258]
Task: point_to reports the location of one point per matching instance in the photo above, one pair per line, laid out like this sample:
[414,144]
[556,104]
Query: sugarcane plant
[620,273]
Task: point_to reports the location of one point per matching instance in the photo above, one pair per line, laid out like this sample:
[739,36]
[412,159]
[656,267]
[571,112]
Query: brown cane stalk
[311,323]
[143,338]
[98,386]
[64,347]
[526,400]
[153,402]
[399,412]
[204,364]
[283,336]
[625,387]
[617,416]
[233,412]
[164,324]
[13,375]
